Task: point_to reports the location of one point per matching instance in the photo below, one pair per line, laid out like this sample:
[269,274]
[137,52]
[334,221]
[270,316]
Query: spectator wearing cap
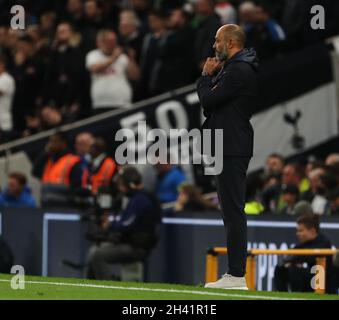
[290,196]
[17,194]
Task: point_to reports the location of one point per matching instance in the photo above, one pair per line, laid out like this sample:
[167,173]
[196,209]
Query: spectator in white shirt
[226,11]
[7,87]
[111,71]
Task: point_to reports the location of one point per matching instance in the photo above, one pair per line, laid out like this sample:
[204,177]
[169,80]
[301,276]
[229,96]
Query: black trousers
[293,278]
[100,258]
[231,188]
[297,279]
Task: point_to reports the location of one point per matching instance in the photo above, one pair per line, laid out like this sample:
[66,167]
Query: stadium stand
[82,69]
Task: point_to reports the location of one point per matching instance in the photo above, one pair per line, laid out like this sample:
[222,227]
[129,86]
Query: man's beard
[221,55]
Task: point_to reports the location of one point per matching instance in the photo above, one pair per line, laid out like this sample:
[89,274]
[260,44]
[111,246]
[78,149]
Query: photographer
[130,238]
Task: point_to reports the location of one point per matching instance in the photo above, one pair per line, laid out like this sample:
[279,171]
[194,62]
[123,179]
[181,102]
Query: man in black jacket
[227,91]
[294,273]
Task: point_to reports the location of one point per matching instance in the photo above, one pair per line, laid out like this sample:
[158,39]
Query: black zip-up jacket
[228,100]
[320,242]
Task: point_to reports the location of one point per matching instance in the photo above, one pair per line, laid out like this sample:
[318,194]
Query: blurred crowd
[76,58]
[295,188]
[66,170]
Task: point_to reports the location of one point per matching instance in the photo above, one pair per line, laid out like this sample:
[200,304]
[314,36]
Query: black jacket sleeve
[213,96]
[39,165]
[76,176]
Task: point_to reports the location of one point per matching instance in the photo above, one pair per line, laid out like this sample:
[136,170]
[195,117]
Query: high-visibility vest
[103,177]
[254,208]
[58,172]
[304,185]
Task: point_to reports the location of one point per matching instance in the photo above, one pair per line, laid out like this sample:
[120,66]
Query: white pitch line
[208,293]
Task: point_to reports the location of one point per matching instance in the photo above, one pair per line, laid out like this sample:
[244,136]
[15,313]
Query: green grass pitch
[78,289]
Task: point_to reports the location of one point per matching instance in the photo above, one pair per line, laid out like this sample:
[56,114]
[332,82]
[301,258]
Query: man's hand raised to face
[211,66]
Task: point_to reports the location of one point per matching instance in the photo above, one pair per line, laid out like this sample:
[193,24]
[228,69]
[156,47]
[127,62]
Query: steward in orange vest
[59,166]
[102,168]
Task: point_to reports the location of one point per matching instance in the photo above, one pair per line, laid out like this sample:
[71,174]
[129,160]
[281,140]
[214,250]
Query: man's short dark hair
[19,177]
[310,221]
[277,156]
[130,176]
